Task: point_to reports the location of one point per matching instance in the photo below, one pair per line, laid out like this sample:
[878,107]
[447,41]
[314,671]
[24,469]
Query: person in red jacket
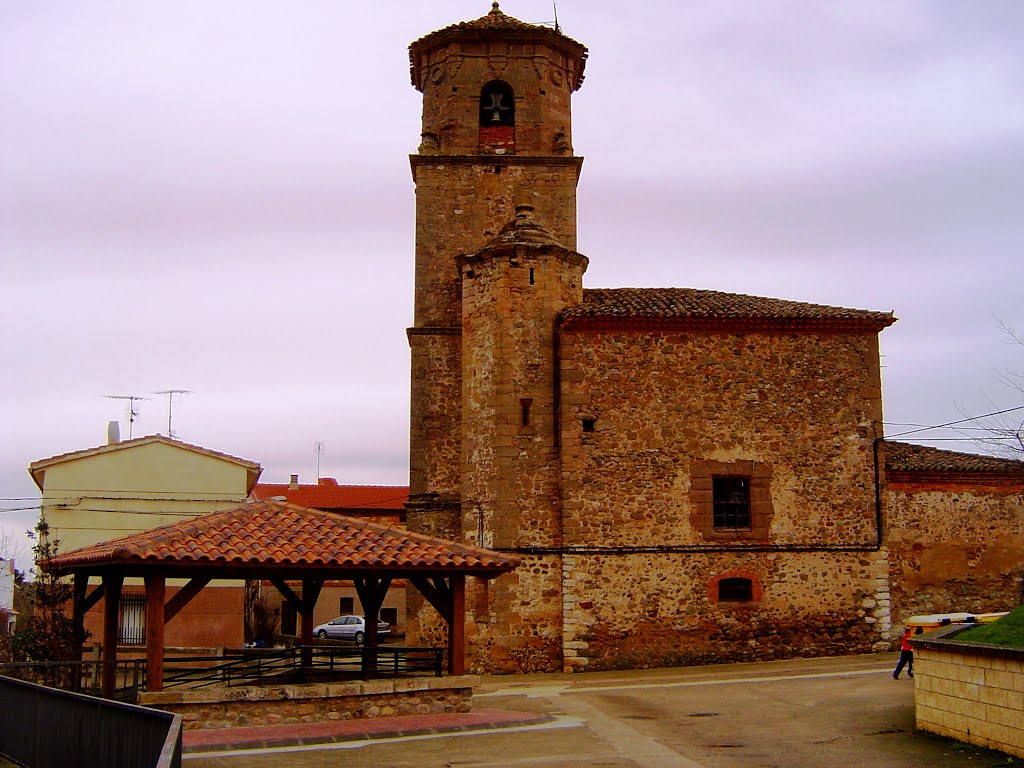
[906,656]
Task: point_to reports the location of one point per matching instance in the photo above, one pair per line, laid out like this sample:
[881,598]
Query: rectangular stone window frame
[702,500]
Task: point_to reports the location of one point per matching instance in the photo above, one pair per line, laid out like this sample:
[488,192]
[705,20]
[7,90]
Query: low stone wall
[283,705]
[969,691]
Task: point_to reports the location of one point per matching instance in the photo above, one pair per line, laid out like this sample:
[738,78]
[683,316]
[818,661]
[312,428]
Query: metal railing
[301,664]
[236,667]
[82,676]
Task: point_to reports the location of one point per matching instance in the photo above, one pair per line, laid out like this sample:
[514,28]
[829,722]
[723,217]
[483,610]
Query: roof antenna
[554,4]
[132,413]
[319,450]
[170,405]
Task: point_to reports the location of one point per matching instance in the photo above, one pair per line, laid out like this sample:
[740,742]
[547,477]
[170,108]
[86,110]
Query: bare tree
[1001,431]
[11,548]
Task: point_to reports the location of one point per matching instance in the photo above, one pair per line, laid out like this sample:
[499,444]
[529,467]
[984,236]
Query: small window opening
[525,405]
[735,590]
[731,500]
[531,276]
[588,423]
[346,605]
[497,104]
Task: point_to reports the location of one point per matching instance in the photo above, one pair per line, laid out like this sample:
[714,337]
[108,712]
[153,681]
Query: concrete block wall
[970,693]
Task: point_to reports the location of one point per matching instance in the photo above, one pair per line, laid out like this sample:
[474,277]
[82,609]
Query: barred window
[731,502]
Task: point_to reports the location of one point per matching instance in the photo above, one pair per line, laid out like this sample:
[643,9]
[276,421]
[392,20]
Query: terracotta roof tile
[693,303]
[281,535]
[906,457]
[494,19]
[327,494]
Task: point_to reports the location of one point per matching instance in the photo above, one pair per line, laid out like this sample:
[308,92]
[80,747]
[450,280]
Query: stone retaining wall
[970,692]
[287,704]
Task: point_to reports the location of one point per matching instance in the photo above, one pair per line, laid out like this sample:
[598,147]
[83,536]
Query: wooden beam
[184,596]
[111,604]
[155,591]
[286,592]
[91,598]
[457,626]
[436,592]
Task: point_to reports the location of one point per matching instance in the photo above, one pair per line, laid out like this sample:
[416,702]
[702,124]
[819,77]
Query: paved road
[818,713]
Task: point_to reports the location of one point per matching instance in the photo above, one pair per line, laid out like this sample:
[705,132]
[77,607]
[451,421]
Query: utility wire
[958,421]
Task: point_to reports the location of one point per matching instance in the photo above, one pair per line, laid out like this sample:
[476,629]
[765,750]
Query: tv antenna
[319,450]
[170,405]
[554,5]
[132,413]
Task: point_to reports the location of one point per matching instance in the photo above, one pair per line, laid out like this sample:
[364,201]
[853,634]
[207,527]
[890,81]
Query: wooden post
[457,626]
[80,586]
[111,604]
[155,593]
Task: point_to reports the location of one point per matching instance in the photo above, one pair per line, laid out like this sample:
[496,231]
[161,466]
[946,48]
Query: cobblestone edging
[292,704]
[970,691]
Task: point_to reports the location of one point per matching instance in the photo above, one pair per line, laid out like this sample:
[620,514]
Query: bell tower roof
[491,25]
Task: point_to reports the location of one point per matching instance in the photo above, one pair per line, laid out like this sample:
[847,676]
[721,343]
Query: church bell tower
[495,178]
[496,131]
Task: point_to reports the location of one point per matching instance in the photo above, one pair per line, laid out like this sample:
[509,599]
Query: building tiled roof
[275,535]
[495,19]
[328,494]
[36,468]
[497,22]
[701,305]
[906,457]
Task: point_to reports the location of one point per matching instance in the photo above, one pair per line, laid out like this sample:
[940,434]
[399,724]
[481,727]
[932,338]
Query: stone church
[689,476]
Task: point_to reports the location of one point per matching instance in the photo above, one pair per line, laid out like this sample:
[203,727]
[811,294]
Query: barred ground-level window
[735,590]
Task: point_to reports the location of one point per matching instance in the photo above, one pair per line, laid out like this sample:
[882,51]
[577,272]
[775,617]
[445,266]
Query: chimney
[113,432]
[293,484]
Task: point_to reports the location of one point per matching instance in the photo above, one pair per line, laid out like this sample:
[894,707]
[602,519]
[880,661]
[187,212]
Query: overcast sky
[216,196]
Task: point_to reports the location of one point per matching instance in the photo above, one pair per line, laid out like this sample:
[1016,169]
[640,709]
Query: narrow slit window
[531,276]
[525,406]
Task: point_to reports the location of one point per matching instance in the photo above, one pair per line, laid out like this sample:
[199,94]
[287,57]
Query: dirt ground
[818,713]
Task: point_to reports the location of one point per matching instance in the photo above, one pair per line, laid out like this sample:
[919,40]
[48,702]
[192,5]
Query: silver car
[349,628]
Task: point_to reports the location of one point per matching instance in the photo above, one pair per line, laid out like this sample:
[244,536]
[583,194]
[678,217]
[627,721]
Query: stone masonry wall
[800,409]
[292,704]
[970,693]
[648,610]
[954,547]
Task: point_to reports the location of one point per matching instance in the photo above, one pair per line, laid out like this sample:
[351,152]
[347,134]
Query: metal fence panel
[46,728]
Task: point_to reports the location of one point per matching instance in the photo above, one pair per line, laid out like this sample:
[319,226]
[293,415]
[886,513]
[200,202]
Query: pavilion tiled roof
[328,494]
[710,307]
[278,535]
[906,457]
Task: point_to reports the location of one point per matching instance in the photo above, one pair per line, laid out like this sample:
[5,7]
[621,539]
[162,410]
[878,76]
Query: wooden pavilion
[284,544]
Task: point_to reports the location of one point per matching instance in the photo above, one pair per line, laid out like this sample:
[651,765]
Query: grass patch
[1008,631]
